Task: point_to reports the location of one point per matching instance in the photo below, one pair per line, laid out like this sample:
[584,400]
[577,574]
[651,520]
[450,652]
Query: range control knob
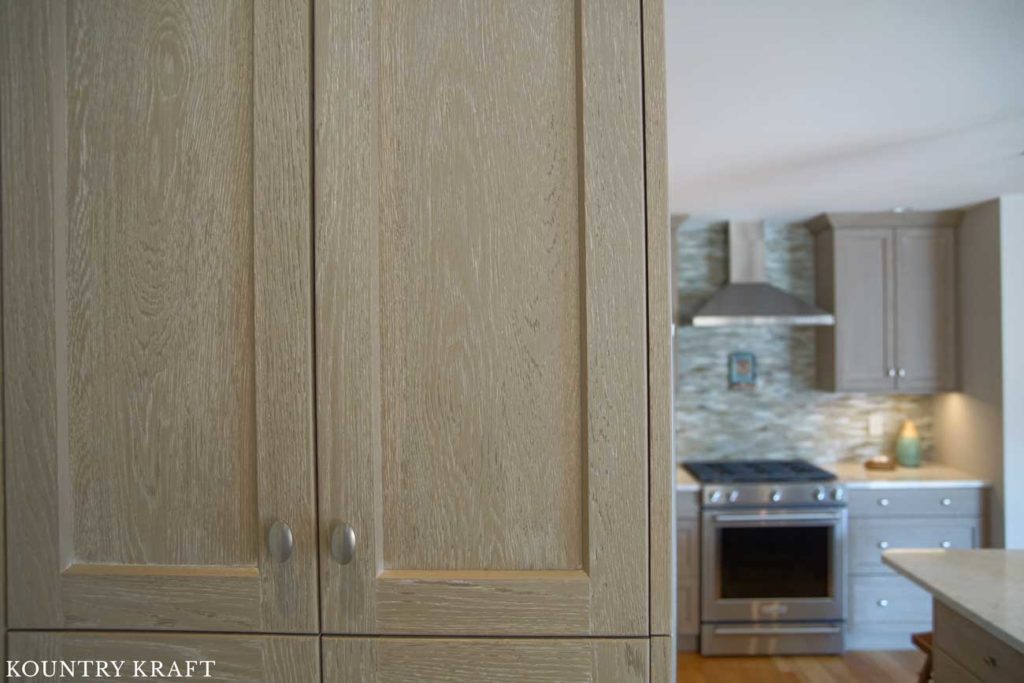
[715,496]
[837,494]
[776,496]
[819,494]
[734,495]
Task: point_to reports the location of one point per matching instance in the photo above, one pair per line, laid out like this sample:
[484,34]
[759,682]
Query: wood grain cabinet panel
[481,331]
[430,660]
[890,280]
[157,314]
[233,658]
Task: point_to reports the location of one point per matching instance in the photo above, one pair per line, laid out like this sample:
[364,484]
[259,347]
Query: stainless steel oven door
[773,565]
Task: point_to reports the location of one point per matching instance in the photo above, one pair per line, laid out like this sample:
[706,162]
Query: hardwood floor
[852,667]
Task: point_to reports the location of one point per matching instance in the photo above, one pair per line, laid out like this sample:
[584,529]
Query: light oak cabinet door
[430,660]
[925,310]
[157,314]
[481,340]
[226,658]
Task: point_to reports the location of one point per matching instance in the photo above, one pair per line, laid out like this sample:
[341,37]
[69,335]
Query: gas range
[771,483]
[773,558]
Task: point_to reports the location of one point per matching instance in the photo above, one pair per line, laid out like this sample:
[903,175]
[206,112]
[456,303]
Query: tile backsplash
[784,416]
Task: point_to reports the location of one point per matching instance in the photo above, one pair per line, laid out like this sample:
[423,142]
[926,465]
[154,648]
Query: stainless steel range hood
[748,299]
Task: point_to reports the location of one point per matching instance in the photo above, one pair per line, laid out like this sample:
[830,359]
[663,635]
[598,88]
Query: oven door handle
[782,631]
[784,517]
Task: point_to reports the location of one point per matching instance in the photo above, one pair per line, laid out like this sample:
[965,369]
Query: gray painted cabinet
[890,279]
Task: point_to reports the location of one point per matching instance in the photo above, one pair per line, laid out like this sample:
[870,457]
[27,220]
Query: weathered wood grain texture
[663,659]
[481,387]
[141,368]
[395,660]
[241,659]
[659,325]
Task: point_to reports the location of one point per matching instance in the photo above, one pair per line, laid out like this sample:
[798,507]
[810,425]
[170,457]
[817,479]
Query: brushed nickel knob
[883,544]
[946,544]
[891,372]
[343,544]
[280,541]
[946,502]
[902,372]
[883,603]
[884,502]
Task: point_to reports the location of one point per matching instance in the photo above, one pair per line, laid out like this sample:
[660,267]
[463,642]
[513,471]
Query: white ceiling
[786,108]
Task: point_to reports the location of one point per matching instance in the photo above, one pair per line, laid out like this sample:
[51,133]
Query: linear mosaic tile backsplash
[784,416]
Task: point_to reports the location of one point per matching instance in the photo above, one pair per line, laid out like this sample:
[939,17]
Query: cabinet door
[864,310]
[157,314]
[926,310]
[226,658]
[481,340]
[471,660]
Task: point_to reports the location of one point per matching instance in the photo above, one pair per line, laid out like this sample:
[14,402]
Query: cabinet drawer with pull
[869,538]
[875,599]
[916,502]
[975,649]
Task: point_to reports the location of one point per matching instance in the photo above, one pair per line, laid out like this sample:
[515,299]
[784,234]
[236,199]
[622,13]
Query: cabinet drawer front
[880,599]
[869,538]
[978,651]
[948,670]
[924,502]
[688,549]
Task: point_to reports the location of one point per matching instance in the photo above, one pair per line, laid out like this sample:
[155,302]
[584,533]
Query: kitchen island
[979,610]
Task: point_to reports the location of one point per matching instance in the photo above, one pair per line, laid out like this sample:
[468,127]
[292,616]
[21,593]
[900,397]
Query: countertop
[854,475]
[928,475]
[985,586]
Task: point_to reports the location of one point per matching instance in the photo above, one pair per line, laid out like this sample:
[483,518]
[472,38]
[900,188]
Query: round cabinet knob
[883,544]
[715,496]
[902,372]
[884,502]
[891,372]
[883,603]
[946,544]
[837,494]
[280,541]
[734,495]
[776,496]
[946,502]
[819,494]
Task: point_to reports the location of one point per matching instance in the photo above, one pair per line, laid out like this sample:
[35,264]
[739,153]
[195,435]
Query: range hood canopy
[748,299]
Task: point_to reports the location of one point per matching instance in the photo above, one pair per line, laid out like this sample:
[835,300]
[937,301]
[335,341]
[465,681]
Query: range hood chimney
[748,299]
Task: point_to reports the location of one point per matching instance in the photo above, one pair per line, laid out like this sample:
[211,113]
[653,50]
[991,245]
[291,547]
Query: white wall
[1011,218]
[968,424]
[981,428]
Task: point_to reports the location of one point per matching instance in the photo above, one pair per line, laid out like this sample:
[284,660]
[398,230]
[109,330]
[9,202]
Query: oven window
[775,562]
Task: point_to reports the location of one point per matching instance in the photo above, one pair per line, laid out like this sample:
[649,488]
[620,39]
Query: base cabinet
[227,658]
[396,660]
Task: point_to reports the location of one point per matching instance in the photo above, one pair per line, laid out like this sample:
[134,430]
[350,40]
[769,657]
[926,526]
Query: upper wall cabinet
[481,330]
[157,315]
[890,279]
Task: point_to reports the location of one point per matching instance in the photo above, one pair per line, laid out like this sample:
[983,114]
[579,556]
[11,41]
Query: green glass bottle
[908,446]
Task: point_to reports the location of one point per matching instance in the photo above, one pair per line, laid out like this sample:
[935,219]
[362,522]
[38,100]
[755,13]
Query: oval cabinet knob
[883,603]
[883,544]
[946,502]
[280,541]
[884,502]
[343,543]
[902,372]
[891,372]
[946,544]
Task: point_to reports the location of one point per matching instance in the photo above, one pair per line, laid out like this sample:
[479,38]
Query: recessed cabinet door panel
[434,660]
[864,325]
[926,310]
[157,314]
[480,317]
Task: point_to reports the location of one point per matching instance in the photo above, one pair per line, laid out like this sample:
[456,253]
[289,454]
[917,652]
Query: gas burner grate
[757,471]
